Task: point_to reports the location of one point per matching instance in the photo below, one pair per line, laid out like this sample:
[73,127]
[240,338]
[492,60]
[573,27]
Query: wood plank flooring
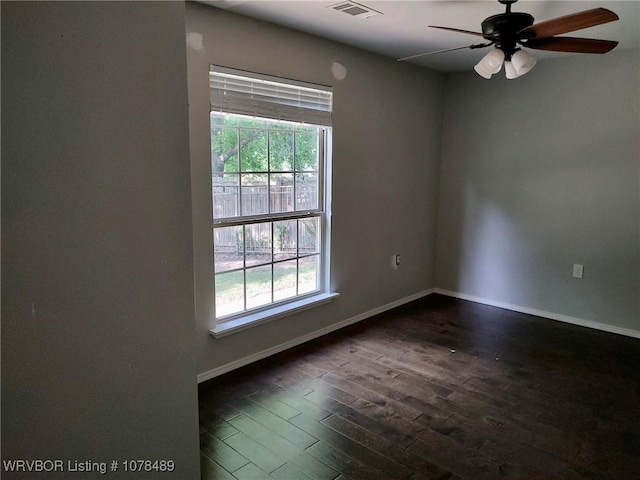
[437,389]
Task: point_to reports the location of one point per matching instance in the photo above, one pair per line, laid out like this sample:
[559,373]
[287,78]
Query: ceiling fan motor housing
[503,29]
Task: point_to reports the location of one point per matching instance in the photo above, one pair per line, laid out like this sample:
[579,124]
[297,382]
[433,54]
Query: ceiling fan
[508,31]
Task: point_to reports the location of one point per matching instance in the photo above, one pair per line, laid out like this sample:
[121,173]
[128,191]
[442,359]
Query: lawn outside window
[270,196]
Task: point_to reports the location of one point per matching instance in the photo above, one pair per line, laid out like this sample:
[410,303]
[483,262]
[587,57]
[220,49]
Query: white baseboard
[541,313]
[305,338]
[349,321]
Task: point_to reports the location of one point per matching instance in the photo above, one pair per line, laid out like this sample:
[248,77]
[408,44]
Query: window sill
[258,318]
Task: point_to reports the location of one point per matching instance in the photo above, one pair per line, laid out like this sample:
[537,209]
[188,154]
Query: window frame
[250,316]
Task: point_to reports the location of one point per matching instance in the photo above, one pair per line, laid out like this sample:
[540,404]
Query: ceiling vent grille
[355,9]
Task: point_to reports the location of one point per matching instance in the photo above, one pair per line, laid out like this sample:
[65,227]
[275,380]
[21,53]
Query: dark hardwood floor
[439,388]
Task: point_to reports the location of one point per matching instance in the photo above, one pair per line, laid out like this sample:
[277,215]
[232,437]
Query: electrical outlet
[395,261]
[578,270]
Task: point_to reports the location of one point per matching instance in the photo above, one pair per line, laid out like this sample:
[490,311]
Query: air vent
[355,9]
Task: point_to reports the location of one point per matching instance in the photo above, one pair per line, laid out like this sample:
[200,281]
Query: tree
[248,145]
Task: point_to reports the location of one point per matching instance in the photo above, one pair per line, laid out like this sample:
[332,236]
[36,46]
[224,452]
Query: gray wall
[98,347]
[97,296]
[540,173]
[386,151]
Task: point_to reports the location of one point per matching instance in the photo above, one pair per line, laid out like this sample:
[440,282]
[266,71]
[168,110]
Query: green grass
[229,286]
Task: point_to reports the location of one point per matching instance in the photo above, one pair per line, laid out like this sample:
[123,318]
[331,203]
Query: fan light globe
[492,61]
[523,62]
[480,70]
[510,70]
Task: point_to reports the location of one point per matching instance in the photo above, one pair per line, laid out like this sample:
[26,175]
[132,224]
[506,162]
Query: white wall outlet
[578,270]
[395,261]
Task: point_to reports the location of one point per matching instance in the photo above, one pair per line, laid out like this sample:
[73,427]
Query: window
[269,162]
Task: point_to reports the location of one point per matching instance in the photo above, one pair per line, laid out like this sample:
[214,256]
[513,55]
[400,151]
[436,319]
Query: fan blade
[482,45]
[570,44]
[568,23]
[477,34]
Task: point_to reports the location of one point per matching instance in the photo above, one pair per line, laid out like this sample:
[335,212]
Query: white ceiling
[401,30]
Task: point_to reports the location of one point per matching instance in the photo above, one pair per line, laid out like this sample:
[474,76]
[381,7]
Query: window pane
[280,151]
[229,293]
[281,187]
[227,248]
[224,150]
[282,125]
[251,122]
[284,280]
[253,150]
[261,169]
[258,286]
[223,119]
[255,199]
[309,236]
[257,244]
[307,151]
[306,191]
[308,269]
[284,239]
[225,195]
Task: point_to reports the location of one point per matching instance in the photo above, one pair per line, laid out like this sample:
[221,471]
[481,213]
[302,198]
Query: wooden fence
[230,200]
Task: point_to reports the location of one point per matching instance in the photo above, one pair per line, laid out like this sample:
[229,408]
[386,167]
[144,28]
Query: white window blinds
[244,93]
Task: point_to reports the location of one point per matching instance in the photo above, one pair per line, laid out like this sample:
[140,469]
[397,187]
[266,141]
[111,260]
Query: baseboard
[305,338]
[541,313]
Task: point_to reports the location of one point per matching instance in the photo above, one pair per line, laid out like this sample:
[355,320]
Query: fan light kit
[508,32]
